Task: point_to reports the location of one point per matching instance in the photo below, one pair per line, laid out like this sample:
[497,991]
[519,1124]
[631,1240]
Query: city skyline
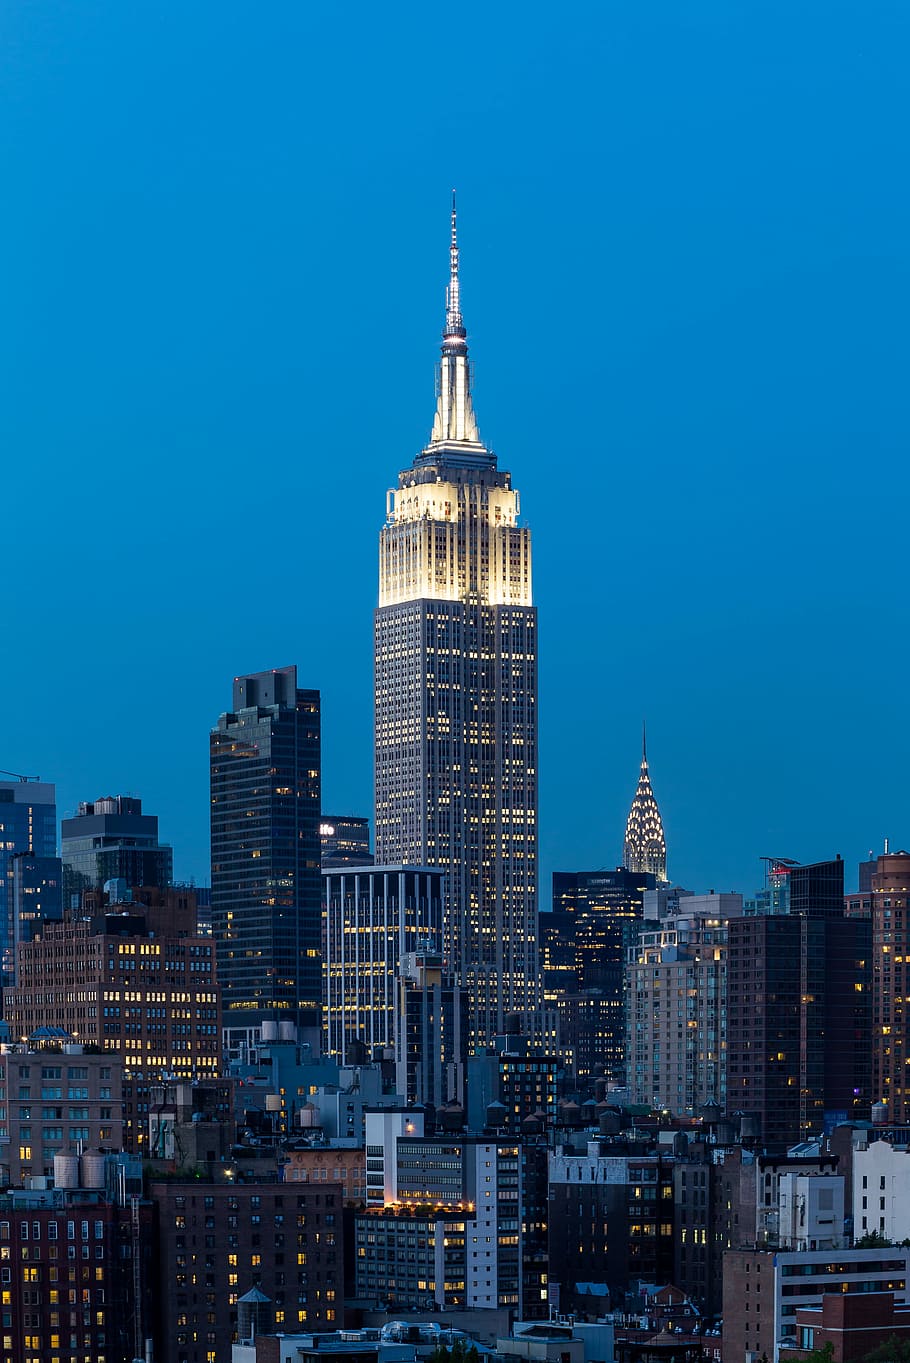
[699,349]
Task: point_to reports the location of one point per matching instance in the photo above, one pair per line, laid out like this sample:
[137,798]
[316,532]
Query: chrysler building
[456,694]
[645,847]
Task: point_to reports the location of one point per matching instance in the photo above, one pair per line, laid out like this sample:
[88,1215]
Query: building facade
[56,1102]
[764,1290]
[266,891]
[36,894]
[489,1194]
[111,839]
[76,1278]
[890,980]
[611,1221]
[374,916]
[217,1242]
[28,825]
[799,1014]
[456,694]
[431,1032]
[107,982]
[344,840]
[584,943]
[881,1191]
[677,1007]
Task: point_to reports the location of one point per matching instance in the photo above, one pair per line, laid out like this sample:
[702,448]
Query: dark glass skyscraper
[583,945]
[266,881]
[28,823]
[111,839]
[799,1011]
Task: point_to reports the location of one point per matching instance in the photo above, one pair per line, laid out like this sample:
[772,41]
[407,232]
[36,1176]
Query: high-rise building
[891,983]
[113,983]
[374,915]
[431,1031]
[28,823]
[456,694]
[36,895]
[774,896]
[584,943]
[799,1011]
[345,840]
[266,888]
[645,847]
[677,1011]
[611,1220]
[111,839]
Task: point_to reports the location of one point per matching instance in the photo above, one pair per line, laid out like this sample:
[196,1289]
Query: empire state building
[456,693]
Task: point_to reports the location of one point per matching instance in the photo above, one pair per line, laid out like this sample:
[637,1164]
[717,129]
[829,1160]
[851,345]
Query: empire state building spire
[455,694]
[645,847]
[455,421]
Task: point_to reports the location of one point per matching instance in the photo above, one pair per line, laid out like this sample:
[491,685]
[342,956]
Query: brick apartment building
[321,1164]
[216,1242]
[109,982]
[75,1278]
[55,1102]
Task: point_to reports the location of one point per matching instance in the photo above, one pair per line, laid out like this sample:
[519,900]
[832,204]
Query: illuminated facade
[374,916]
[456,694]
[645,847]
[109,982]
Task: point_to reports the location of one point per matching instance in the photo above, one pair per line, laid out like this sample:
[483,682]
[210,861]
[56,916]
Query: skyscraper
[645,847]
[374,916]
[266,884]
[111,839]
[456,693]
[890,980]
[584,943]
[28,823]
[799,1011]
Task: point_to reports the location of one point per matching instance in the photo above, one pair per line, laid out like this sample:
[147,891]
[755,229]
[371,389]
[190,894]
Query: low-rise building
[329,1163]
[55,1102]
[881,1191]
[852,1325]
[764,1290]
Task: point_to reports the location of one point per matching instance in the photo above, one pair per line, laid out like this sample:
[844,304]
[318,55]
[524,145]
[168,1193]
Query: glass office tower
[28,823]
[111,839]
[266,880]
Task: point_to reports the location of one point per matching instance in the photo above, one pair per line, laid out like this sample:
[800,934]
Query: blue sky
[686,279]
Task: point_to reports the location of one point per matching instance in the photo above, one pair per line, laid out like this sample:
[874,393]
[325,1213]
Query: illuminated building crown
[645,846]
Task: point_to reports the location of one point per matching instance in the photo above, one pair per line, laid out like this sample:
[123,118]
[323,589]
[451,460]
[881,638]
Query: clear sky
[686,280]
